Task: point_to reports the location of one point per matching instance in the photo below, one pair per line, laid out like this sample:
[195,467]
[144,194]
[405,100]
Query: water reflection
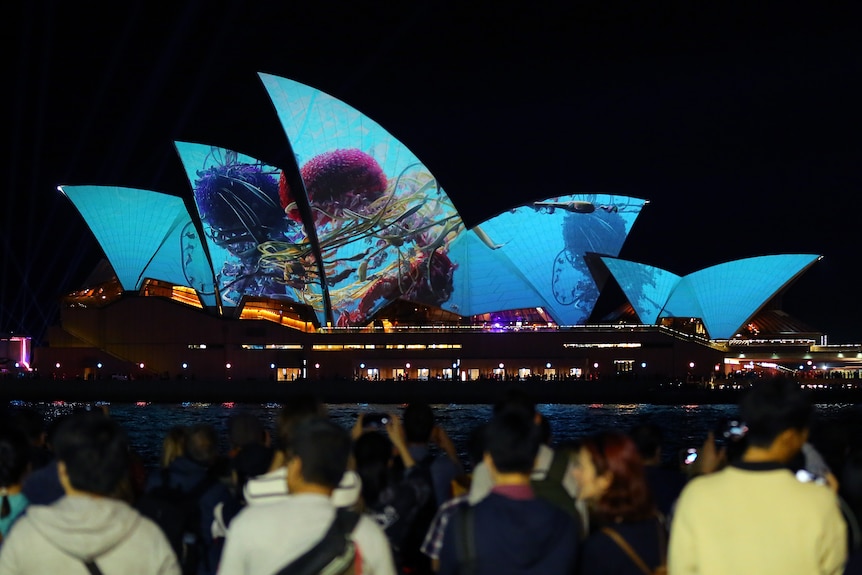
[684,426]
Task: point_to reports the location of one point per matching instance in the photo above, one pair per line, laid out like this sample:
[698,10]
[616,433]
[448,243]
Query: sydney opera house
[353,262]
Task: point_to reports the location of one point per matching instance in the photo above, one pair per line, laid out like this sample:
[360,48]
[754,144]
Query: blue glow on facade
[145,234]
[387,231]
[724,296]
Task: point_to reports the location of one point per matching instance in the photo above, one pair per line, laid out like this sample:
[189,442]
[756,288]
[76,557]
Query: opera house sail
[356,223]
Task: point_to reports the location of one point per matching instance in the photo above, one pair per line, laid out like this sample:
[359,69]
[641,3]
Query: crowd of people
[392,496]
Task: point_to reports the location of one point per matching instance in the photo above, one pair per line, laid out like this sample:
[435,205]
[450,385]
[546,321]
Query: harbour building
[352,262]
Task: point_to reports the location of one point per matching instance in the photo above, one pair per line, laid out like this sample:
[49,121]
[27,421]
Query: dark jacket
[515,536]
[185,474]
[600,555]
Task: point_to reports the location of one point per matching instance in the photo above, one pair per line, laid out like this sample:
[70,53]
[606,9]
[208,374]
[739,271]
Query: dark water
[683,426]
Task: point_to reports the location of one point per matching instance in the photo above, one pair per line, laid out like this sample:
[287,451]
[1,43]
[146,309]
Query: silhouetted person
[87,524]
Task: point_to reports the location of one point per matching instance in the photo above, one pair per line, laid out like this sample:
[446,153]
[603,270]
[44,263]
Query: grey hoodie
[58,538]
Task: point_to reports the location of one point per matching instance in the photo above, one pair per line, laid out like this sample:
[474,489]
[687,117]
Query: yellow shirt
[756,519]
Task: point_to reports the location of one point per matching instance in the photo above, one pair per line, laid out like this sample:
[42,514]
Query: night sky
[741,125]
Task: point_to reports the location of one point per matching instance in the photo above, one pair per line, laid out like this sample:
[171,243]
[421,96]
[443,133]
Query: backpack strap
[92,567]
[334,552]
[618,539]
[465,540]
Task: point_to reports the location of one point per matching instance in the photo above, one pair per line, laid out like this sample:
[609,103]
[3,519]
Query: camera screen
[690,456]
[375,419]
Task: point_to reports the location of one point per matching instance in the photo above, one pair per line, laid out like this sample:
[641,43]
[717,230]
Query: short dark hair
[295,410]
[95,451]
[201,444]
[372,453]
[323,447]
[244,429]
[515,396]
[30,422]
[648,439]
[14,449]
[418,422]
[774,406]
[512,440]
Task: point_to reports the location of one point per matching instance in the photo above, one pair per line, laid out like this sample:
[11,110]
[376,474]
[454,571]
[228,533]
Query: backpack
[335,554]
[177,512]
[550,486]
[465,539]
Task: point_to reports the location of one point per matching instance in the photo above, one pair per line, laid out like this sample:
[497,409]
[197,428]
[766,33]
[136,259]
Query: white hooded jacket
[58,538]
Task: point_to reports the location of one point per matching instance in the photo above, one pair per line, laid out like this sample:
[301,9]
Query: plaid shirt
[434,538]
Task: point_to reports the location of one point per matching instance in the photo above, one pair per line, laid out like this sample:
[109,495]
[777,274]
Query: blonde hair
[174,444]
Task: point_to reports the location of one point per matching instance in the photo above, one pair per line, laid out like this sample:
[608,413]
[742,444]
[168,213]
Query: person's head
[515,397]
[372,453]
[31,423]
[252,460]
[92,452]
[777,413]
[201,445]
[418,422]
[511,441]
[609,473]
[13,462]
[295,410]
[319,455]
[245,429]
[648,439]
[173,444]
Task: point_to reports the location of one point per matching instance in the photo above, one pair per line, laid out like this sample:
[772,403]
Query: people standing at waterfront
[665,481]
[562,491]
[195,479]
[626,532]
[428,443]
[394,498]
[436,462]
[87,525]
[510,530]
[42,485]
[434,536]
[267,538]
[32,424]
[737,520]
[14,465]
[271,486]
[173,445]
